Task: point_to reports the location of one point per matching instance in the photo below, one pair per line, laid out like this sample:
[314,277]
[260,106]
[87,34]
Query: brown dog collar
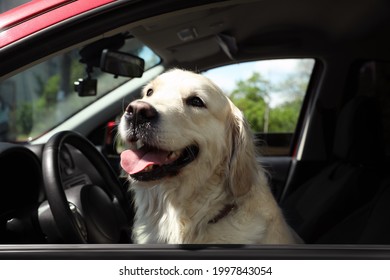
[223,213]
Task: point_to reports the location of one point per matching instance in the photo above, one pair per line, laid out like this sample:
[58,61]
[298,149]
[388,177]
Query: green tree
[252,97]
[295,85]
[283,118]
[24,118]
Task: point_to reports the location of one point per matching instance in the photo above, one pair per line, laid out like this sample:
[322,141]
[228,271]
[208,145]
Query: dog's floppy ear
[242,164]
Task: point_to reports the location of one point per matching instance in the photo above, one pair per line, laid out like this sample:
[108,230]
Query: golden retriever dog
[192,167]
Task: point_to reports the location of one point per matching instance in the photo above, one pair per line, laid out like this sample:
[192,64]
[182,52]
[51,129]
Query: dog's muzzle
[140,116]
[147,161]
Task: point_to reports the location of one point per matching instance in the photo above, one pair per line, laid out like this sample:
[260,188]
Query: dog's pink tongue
[135,161]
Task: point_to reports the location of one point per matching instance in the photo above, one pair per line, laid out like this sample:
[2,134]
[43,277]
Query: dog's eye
[195,101]
[149,92]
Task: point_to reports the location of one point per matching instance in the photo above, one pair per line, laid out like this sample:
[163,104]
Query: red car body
[40,14]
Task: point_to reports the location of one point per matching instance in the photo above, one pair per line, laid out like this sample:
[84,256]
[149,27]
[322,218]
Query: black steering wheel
[85,213]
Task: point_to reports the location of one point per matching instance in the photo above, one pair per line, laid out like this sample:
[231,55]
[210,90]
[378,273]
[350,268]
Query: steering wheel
[85,213]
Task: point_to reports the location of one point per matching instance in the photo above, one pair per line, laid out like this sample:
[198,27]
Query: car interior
[333,182]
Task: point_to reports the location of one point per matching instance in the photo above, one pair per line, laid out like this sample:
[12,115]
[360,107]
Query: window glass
[43,96]
[8,5]
[270,93]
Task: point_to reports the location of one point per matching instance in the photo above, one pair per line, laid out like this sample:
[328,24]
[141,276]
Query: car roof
[203,34]
[36,15]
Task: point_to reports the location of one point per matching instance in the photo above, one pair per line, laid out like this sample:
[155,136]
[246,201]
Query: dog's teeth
[173,155]
[148,168]
[139,144]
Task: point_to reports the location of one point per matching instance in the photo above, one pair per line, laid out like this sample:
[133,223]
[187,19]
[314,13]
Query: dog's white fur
[178,209]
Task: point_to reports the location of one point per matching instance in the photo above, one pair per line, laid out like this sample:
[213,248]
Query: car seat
[369,224]
[350,179]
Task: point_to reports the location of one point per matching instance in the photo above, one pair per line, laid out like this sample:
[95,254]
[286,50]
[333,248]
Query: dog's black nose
[140,112]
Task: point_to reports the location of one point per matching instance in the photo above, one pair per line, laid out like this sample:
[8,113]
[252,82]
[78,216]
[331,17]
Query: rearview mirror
[121,64]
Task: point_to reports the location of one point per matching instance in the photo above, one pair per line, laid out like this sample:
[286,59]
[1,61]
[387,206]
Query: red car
[312,78]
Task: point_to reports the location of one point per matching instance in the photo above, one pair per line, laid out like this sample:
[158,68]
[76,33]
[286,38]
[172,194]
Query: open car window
[270,93]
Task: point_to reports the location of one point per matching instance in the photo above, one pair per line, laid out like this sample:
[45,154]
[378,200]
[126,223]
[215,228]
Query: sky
[273,70]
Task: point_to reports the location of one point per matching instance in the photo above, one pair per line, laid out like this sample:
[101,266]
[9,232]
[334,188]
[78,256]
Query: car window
[8,5]
[43,96]
[270,93]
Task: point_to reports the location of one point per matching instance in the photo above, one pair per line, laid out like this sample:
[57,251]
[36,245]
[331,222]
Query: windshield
[41,97]
[9,5]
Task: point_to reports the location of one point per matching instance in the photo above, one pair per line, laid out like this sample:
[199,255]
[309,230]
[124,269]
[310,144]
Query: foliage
[49,85]
[50,91]
[24,118]
[283,118]
[253,97]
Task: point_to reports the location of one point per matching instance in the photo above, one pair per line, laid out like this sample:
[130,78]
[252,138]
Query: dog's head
[184,128]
